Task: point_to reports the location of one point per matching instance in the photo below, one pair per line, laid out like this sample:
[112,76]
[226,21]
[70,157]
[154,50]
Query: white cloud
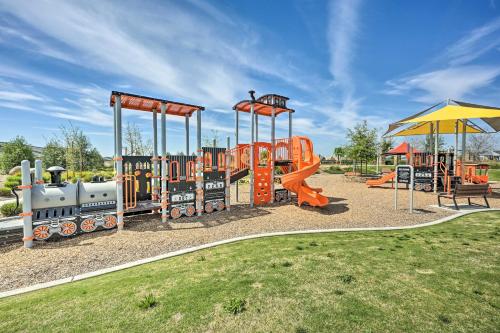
[18,96]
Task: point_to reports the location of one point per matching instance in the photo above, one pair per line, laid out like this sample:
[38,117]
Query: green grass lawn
[494,174]
[439,278]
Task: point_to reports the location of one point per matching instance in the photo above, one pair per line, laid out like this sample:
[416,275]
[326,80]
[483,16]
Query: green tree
[429,143]
[134,142]
[212,140]
[13,152]
[54,154]
[79,153]
[362,143]
[339,152]
[386,144]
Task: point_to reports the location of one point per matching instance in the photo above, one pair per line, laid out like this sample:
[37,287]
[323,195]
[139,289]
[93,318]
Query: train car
[182,185]
[214,175]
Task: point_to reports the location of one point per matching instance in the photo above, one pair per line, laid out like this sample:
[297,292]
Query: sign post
[405,175]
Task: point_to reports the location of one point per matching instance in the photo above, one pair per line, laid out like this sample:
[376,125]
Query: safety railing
[130,183]
[239,158]
[283,149]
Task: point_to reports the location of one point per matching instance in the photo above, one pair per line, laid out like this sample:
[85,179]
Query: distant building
[37,151]
[108,162]
[493,155]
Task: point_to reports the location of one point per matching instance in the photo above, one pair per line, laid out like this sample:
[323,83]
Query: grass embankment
[439,278]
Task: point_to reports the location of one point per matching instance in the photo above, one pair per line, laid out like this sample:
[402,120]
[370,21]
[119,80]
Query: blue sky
[339,62]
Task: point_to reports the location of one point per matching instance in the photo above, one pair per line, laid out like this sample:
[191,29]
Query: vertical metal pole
[252,117]
[187,135]
[236,134]
[436,157]
[290,125]
[164,192]
[27,213]
[464,133]
[431,137]
[396,189]
[119,163]
[199,166]
[38,172]
[273,150]
[290,147]
[256,127]
[455,153]
[155,156]
[412,184]
[228,174]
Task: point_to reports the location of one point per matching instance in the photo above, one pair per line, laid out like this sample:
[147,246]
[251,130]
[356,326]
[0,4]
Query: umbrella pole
[436,157]
[462,164]
[455,153]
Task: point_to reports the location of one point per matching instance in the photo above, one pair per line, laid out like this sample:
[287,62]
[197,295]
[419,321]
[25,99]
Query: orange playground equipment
[382,180]
[292,156]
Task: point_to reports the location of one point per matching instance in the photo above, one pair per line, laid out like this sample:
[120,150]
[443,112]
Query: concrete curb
[221,242]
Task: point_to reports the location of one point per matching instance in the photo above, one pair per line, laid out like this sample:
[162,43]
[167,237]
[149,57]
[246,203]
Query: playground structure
[174,185]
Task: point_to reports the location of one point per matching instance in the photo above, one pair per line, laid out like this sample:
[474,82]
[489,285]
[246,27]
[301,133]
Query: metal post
[27,213]
[290,124]
[187,135]
[164,176]
[273,150]
[252,153]
[119,163]
[436,157]
[236,141]
[228,174]
[290,145]
[199,166]
[155,156]
[256,127]
[412,184]
[464,133]
[396,189]
[38,172]
[455,153]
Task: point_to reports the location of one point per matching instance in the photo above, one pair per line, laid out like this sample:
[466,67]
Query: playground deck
[353,205]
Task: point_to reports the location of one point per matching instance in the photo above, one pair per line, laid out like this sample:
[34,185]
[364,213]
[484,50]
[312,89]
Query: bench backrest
[471,189]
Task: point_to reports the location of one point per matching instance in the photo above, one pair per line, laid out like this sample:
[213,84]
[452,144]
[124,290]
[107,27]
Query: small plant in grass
[147,302]
[478,292]
[235,306]
[381,249]
[313,243]
[274,265]
[444,319]
[299,247]
[330,255]
[9,209]
[347,278]
[398,246]
[338,292]
[466,243]
[202,258]
[301,329]
[286,263]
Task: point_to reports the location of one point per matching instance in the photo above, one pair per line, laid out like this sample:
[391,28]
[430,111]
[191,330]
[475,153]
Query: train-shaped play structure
[173,185]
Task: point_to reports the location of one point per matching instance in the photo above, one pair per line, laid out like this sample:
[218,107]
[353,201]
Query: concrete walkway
[226,241]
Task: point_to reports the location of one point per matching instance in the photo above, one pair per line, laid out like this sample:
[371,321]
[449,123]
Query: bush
[14,179]
[9,184]
[235,306]
[5,192]
[9,209]
[147,302]
[334,170]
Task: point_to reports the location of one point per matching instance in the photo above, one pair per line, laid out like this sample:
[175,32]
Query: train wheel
[68,229]
[88,225]
[175,213]
[190,210]
[42,232]
[109,222]
[209,207]
[427,187]
[220,206]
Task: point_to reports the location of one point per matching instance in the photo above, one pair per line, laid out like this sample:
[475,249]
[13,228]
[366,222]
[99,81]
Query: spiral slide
[382,180]
[295,181]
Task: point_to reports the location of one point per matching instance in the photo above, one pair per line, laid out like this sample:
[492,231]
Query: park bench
[466,191]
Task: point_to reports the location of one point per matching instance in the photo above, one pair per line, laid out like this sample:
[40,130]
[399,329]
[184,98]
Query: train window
[190,171]
[71,211]
[174,171]
[62,198]
[221,161]
[38,214]
[207,161]
[62,212]
[92,195]
[55,213]
[104,194]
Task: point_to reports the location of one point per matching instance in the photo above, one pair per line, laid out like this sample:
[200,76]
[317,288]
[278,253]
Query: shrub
[147,302]
[286,264]
[338,292]
[5,192]
[14,179]
[201,258]
[444,319]
[9,209]
[10,184]
[235,306]
[300,248]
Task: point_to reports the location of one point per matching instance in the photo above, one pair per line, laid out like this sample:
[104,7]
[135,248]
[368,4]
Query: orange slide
[306,164]
[382,180]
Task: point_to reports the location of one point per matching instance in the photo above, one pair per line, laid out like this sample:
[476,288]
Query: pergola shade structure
[445,127]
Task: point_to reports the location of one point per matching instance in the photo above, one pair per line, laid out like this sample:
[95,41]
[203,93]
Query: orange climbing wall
[262,173]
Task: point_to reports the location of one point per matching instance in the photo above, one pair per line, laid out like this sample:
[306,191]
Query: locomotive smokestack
[252,95]
[56,175]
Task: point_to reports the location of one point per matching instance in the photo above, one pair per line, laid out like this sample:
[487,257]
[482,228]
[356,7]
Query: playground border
[103,271]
